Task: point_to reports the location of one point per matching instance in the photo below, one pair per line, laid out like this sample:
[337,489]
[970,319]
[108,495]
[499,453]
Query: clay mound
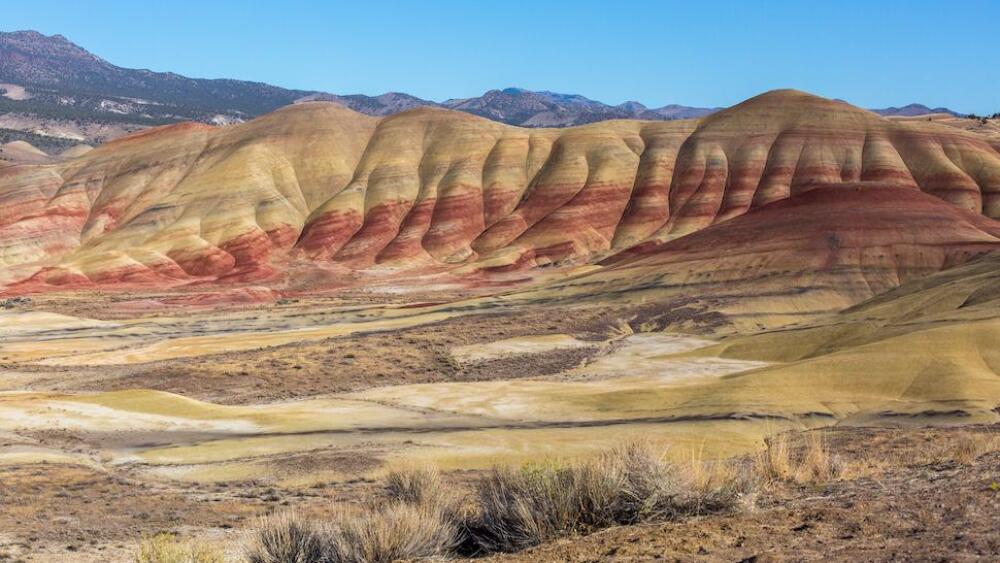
[926,350]
[432,190]
[819,251]
[780,143]
[22,152]
[962,296]
[76,151]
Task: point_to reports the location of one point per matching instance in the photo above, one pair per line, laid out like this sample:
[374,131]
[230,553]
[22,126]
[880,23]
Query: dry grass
[813,464]
[392,531]
[512,508]
[417,520]
[818,465]
[286,538]
[166,548]
[518,508]
[722,484]
[414,485]
[963,447]
[774,462]
[515,508]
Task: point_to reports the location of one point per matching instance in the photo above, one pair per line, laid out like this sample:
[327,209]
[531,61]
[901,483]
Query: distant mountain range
[912,110]
[517,106]
[55,92]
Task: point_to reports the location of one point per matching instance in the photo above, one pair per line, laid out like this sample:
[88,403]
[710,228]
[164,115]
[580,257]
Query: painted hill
[819,251]
[22,152]
[923,352]
[432,190]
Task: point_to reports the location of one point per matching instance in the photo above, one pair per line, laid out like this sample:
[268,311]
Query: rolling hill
[430,190]
[817,252]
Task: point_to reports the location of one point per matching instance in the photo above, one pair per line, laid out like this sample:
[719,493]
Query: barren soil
[894,511]
[890,506]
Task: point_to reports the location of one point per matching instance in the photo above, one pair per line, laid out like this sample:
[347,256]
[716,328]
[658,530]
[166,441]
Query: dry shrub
[774,462]
[512,508]
[963,447]
[818,465]
[414,485]
[381,533]
[391,532]
[166,548]
[518,508]
[286,538]
[420,519]
[722,484]
[813,464]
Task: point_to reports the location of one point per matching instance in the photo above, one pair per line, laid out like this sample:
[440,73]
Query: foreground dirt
[895,501]
[86,504]
[56,512]
[895,510]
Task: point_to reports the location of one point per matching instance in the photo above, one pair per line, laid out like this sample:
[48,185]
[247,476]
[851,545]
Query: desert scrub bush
[417,519]
[774,463]
[512,508]
[813,464]
[393,531]
[963,447]
[166,548]
[286,538]
[519,508]
[414,485]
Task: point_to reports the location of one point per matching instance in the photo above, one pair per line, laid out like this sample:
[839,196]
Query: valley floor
[126,416]
[897,506]
[897,499]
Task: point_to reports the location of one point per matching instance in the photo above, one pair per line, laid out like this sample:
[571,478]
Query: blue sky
[872,54]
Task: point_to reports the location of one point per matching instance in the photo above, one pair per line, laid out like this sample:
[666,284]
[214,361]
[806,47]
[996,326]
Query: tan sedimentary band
[434,189]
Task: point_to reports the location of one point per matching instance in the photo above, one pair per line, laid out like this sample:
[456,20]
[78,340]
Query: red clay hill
[429,190]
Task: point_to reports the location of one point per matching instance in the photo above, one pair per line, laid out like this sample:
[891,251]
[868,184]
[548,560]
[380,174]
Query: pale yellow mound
[928,347]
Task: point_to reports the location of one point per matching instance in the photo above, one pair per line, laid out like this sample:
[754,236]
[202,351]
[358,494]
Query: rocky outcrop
[429,190]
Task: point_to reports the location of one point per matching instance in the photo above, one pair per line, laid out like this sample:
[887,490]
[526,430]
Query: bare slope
[925,349]
[817,252]
[429,189]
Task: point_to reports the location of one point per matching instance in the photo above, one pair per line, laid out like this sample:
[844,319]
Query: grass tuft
[166,548]
[286,538]
[414,486]
[813,465]
[392,531]
[818,465]
[511,509]
[963,447]
[519,508]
